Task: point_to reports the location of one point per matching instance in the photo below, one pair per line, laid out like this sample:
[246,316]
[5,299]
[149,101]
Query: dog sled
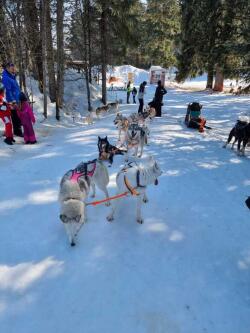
[193,117]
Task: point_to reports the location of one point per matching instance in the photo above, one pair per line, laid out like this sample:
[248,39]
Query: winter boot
[8,141]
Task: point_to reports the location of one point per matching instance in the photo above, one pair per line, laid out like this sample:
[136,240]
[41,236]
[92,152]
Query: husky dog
[122,124]
[243,136]
[100,109]
[74,189]
[136,137]
[89,118]
[113,106]
[134,179]
[149,112]
[134,118]
[238,131]
[106,150]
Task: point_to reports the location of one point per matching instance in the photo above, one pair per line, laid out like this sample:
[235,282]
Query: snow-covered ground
[185,270]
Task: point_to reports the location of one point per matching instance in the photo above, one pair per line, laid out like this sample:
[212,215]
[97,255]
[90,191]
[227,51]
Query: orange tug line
[121,195]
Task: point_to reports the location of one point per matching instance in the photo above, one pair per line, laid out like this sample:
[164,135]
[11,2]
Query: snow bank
[140,75]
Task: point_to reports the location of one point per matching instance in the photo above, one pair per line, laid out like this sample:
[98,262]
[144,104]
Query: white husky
[74,189]
[134,178]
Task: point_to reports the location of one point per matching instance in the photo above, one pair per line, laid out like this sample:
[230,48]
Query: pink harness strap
[77,174]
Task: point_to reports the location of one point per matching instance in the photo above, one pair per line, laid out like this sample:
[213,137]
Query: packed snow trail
[185,270]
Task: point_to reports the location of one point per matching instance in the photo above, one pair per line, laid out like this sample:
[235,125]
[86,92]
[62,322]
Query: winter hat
[9,64]
[22,97]
[159,83]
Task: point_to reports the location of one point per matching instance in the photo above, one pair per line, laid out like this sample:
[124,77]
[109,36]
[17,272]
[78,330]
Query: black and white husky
[134,179]
[74,189]
[107,151]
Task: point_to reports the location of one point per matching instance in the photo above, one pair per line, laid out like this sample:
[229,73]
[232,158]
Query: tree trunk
[219,80]
[103,32]
[89,39]
[44,4]
[84,50]
[50,56]
[59,56]
[210,77]
[6,49]
[86,53]
[33,38]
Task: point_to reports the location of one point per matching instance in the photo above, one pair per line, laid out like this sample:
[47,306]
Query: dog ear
[99,138]
[63,218]
[201,106]
[106,138]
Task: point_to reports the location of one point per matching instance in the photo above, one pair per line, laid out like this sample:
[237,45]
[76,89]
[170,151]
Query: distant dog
[74,189]
[122,124]
[241,133]
[113,106]
[102,109]
[149,112]
[106,150]
[89,118]
[136,137]
[134,179]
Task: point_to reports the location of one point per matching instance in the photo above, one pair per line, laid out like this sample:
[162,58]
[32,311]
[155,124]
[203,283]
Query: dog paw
[110,218]
[145,200]
[140,221]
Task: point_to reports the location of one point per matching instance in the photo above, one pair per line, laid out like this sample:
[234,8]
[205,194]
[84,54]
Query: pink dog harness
[82,171]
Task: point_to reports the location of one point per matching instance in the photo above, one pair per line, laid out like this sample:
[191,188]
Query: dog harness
[131,189]
[82,171]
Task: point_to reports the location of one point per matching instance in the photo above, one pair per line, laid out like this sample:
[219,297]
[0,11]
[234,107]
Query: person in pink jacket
[27,118]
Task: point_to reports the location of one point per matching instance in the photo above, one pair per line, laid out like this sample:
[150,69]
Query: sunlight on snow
[22,276]
[34,198]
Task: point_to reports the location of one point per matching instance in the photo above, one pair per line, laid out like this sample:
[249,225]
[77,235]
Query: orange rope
[95,203]
[124,194]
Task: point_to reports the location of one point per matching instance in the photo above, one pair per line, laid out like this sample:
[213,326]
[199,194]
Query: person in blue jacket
[12,92]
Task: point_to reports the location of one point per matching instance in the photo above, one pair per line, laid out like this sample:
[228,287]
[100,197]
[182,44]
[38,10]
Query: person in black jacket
[159,93]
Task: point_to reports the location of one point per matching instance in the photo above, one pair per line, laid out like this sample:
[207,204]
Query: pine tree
[161,26]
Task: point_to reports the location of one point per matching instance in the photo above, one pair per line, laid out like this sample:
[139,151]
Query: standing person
[12,95]
[159,93]
[128,91]
[141,95]
[27,118]
[134,93]
[5,115]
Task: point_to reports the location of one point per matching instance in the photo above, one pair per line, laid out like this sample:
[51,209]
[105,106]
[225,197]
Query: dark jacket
[159,93]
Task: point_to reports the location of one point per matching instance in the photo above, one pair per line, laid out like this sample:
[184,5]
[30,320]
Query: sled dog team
[137,173]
